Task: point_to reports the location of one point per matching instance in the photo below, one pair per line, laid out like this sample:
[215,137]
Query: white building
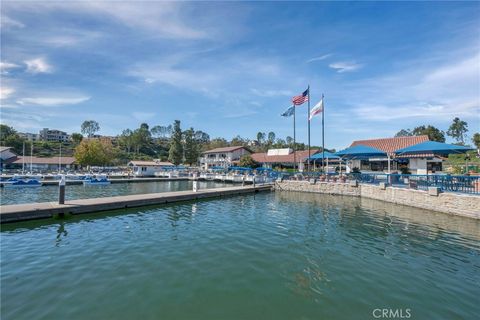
[223,157]
[29,136]
[53,135]
[148,168]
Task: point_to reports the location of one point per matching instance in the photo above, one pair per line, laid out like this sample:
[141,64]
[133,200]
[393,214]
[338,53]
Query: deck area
[44,210]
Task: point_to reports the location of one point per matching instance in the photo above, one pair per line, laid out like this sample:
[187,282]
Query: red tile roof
[390,145]
[262,157]
[40,160]
[225,149]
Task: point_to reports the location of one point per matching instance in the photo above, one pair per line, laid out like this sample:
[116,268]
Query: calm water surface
[50,193]
[270,256]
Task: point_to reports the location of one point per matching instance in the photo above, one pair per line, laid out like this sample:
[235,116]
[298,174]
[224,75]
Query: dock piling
[61,190]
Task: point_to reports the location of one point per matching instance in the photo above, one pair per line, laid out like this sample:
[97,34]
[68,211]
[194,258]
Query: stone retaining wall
[457,204]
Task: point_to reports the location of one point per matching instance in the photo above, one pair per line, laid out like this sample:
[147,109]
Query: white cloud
[434,92]
[271,93]
[6,92]
[7,22]
[38,65]
[166,19]
[6,66]
[52,101]
[345,66]
[325,56]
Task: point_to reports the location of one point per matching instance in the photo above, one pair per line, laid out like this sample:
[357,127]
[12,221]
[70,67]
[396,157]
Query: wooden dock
[44,210]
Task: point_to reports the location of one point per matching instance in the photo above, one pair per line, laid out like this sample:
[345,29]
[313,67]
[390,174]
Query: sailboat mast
[60,159]
[31,157]
[23,158]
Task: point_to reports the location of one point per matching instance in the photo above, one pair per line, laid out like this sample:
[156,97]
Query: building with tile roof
[283,160]
[415,163]
[222,157]
[43,164]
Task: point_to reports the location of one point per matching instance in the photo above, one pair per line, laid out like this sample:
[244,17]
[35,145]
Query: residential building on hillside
[47,134]
[29,136]
[222,157]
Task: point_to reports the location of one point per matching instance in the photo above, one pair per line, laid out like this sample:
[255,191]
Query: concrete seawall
[33,211]
[452,203]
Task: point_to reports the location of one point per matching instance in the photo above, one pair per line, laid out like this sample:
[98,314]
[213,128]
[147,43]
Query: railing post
[61,190]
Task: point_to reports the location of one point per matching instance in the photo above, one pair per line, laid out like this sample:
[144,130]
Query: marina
[225,257]
[237,160]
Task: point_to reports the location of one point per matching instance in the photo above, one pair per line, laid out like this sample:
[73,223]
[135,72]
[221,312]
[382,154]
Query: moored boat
[96,180]
[18,183]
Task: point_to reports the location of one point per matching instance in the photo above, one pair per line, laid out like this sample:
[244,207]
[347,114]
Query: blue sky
[231,68]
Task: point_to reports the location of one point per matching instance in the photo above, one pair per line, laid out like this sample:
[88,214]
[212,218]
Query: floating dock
[45,210]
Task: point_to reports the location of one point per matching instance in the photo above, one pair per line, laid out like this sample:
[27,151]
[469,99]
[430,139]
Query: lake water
[50,193]
[269,256]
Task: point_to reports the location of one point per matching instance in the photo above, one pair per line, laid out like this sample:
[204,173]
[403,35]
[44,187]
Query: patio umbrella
[360,152]
[433,147]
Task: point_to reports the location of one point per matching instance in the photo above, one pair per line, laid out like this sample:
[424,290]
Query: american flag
[301,99]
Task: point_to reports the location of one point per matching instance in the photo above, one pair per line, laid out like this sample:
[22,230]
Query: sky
[231,68]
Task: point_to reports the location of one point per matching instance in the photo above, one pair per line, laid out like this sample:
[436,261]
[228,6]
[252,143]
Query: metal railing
[446,183]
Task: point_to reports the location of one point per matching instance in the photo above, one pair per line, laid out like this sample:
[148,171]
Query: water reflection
[61,233]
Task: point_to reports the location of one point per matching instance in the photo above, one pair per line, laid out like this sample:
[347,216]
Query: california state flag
[316,110]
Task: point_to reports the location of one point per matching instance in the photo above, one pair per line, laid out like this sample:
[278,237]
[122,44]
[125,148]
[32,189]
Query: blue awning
[360,152]
[319,156]
[433,147]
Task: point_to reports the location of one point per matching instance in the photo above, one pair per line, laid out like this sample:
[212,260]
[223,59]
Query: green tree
[248,162]
[90,127]
[261,137]
[192,151]
[125,140]
[271,138]
[289,140]
[433,133]
[175,154]
[95,152]
[457,130]
[238,141]
[76,138]
[10,138]
[217,143]
[404,133]
[476,140]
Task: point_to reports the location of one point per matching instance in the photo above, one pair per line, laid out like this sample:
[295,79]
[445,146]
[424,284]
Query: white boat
[21,183]
[100,180]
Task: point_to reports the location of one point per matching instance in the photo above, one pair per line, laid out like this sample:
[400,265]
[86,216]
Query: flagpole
[294,143]
[323,134]
[308,119]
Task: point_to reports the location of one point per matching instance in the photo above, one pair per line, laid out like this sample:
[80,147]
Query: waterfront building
[47,134]
[223,157]
[416,163]
[6,156]
[283,158]
[43,164]
[142,168]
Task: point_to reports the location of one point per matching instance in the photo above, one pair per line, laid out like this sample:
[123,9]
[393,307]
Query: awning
[319,156]
[432,147]
[360,152]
